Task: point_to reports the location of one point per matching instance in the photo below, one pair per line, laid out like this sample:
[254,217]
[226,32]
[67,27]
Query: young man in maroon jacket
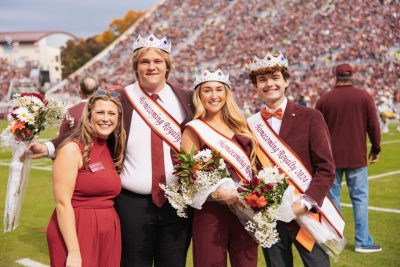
[350,114]
[304,131]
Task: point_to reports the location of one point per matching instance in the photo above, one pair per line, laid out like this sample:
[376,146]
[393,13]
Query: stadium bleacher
[314,35]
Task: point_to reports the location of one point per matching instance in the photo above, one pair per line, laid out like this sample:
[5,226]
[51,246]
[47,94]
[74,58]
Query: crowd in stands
[17,76]
[314,35]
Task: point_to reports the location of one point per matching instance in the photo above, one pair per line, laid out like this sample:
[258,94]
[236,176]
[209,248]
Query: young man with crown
[153,112]
[219,125]
[296,139]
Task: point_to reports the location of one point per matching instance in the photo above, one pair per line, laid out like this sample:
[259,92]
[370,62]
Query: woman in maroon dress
[216,230]
[84,229]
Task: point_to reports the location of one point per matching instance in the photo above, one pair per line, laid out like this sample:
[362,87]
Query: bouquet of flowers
[327,238]
[259,200]
[31,113]
[324,235]
[198,175]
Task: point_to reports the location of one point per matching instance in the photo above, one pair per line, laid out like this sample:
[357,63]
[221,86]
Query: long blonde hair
[232,116]
[85,134]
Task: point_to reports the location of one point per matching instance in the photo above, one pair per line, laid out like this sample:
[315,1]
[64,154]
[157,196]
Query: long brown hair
[85,134]
[232,116]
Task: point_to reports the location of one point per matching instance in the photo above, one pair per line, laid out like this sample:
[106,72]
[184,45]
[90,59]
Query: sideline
[377,176]
[30,263]
[387,142]
[347,205]
[32,167]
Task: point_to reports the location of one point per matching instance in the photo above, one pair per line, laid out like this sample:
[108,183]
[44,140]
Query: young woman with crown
[219,125]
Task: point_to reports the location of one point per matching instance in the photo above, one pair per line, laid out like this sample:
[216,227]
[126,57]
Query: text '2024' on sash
[287,160]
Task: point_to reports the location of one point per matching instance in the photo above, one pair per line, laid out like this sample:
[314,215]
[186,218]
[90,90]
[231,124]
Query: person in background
[350,114]
[87,87]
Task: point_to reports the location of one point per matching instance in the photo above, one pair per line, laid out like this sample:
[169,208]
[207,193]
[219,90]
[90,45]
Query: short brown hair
[139,52]
[268,70]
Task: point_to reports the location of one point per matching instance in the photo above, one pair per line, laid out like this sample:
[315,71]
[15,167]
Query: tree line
[77,52]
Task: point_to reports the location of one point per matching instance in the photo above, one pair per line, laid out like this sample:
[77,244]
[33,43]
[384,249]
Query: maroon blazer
[75,112]
[304,130]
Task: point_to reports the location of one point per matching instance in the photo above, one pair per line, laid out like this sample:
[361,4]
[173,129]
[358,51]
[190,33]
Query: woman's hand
[226,194]
[74,259]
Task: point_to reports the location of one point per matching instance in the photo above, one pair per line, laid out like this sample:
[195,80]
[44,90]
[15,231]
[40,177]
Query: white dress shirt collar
[282,106]
[274,122]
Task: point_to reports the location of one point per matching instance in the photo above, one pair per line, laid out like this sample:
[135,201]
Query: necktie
[157,164]
[266,114]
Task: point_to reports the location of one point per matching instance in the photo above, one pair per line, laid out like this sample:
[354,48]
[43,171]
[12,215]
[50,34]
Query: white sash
[156,117]
[276,150]
[230,152]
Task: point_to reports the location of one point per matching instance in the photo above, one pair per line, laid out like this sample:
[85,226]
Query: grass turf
[29,240]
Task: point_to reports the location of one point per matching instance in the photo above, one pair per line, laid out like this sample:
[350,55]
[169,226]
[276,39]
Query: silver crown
[152,41]
[270,60]
[207,76]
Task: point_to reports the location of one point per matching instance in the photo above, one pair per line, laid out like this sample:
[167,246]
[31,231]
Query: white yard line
[30,263]
[33,166]
[377,176]
[388,142]
[347,205]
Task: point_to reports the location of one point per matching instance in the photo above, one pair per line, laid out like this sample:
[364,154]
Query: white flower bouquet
[198,175]
[259,200]
[31,114]
[323,234]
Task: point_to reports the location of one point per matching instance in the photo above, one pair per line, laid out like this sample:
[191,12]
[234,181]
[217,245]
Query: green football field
[29,239]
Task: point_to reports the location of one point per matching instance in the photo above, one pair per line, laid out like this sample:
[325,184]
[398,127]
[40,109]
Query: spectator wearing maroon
[350,114]
[87,87]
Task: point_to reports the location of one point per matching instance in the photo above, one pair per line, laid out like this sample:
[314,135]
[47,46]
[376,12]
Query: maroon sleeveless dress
[97,223]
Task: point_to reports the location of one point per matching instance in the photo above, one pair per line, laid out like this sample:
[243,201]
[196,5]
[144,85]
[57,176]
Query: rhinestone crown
[152,41]
[217,76]
[270,60]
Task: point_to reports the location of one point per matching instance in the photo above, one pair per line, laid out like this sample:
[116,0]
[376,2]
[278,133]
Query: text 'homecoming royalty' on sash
[155,116]
[230,152]
[280,154]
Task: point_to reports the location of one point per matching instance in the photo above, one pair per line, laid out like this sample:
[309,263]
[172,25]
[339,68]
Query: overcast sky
[82,18]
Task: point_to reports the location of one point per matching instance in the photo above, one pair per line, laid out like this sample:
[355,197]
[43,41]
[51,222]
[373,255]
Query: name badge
[96,167]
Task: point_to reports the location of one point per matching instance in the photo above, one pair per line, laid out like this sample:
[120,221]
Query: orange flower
[261,202]
[254,201]
[19,125]
[197,167]
[251,200]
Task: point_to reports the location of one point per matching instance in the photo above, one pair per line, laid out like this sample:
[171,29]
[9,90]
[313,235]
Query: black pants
[280,254]
[150,233]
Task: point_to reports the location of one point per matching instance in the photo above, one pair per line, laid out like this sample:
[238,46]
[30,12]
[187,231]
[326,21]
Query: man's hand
[373,158]
[36,150]
[298,208]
